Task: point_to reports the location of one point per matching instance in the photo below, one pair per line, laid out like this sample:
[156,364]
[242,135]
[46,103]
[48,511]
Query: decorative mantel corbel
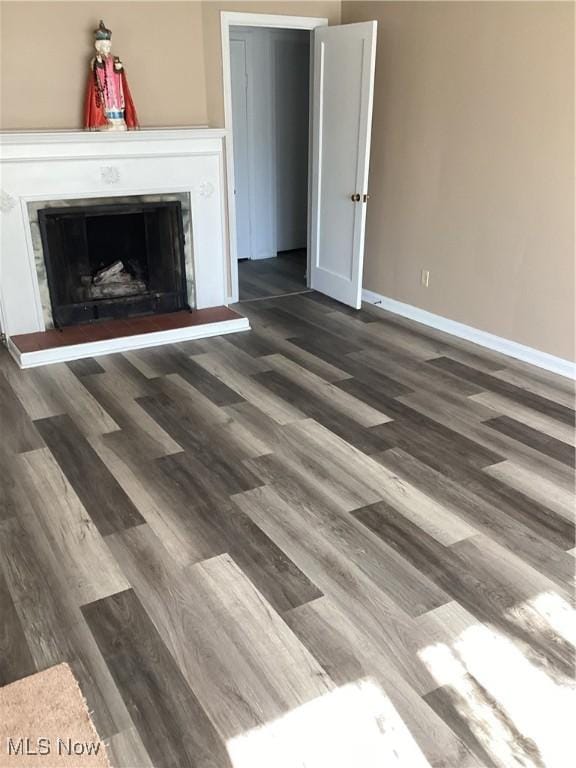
[7,202]
[206,189]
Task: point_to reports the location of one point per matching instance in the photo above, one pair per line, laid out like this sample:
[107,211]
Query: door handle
[365,198]
[355,198]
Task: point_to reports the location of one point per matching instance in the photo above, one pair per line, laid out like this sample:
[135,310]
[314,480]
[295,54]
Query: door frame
[234,19]
[246,40]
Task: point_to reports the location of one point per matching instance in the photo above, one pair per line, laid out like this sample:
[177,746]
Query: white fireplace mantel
[77,164]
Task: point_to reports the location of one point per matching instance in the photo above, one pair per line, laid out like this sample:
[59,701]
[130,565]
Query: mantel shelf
[9,138]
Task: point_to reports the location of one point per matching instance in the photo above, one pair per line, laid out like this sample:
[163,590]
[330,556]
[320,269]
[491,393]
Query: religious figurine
[109,105]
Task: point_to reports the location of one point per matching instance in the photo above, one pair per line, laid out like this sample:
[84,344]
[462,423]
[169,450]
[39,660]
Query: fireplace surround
[114,260]
[42,170]
[34,211]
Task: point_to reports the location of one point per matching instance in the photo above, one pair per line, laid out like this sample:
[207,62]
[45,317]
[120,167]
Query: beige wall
[45,49]
[473,163]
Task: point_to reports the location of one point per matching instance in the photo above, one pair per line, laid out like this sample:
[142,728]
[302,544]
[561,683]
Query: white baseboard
[482,338]
[125,343]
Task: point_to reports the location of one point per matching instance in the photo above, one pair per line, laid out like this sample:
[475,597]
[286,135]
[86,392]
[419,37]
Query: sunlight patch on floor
[559,615]
[519,714]
[355,725]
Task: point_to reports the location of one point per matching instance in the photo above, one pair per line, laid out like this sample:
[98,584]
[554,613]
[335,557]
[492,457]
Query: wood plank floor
[339,539]
[266,278]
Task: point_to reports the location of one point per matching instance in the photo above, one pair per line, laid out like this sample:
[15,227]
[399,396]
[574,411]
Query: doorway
[326,93]
[270,87]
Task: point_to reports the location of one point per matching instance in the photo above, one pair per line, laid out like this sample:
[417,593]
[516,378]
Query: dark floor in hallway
[337,529]
[266,278]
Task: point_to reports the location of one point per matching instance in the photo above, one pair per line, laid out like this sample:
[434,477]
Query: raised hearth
[79,341]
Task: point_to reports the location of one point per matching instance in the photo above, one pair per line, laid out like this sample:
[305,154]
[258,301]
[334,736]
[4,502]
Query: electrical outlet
[425,278]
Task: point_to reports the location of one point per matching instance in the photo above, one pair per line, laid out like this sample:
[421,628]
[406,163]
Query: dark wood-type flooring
[266,278]
[339,539]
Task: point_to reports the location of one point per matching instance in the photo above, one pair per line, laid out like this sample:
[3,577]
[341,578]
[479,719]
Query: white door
[239,75]
[344,59]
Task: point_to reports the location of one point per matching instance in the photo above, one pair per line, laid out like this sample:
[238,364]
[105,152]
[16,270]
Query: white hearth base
[125,343]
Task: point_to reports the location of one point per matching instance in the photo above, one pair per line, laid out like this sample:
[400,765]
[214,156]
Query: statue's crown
[102,33]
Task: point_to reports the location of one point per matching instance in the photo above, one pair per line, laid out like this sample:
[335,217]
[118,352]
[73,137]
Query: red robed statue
[109,105]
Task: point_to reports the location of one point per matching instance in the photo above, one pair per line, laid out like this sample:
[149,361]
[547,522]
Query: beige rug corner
[46,714]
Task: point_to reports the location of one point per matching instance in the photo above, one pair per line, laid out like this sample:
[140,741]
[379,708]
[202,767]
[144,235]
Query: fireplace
[63,172]
[114,260]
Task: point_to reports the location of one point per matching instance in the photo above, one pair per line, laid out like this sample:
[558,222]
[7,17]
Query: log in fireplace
[114,261]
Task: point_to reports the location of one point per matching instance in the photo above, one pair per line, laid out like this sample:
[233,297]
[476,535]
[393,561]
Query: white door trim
[246,40]
[233,19]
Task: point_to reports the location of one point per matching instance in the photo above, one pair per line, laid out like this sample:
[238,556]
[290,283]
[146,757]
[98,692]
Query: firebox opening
[114,261]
